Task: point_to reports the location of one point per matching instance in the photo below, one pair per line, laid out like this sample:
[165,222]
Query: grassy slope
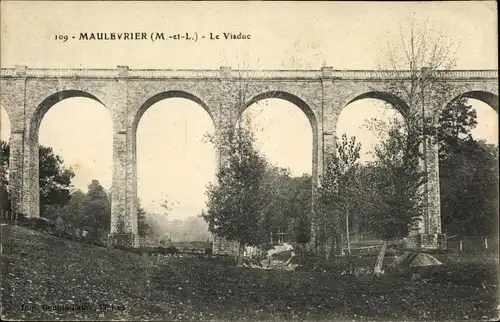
[39,269]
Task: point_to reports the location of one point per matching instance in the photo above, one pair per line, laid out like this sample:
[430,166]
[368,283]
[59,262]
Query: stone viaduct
[27,94]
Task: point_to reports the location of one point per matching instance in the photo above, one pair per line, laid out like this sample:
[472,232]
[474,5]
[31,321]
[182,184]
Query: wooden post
[380,259]
[486,242]
[347,231]
[461,245]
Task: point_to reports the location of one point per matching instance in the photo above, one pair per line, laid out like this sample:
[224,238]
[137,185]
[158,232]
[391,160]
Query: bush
[63,234]
[150,251]
[171,250]
[96,242]
[208,251]
[22,219]
[42,224]
[38,224]
[125,248]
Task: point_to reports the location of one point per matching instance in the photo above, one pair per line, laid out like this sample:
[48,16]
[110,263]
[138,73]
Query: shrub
[171,250]
[150,251]
[38,224]
[124,248]
[63,234]
[42,224]
[96,242]
[208,251]
[21,219]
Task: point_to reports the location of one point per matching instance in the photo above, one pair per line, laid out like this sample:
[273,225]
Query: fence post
[486,242]
[461,245]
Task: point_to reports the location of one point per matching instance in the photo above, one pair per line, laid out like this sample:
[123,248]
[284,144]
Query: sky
[174,161]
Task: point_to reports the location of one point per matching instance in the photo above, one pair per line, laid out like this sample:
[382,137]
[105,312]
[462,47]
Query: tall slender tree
[334,197]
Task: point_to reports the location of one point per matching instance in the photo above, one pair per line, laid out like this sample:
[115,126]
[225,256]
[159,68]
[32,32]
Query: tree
[167,206]
[275,214]
[469,189]
[399,179]
[335,195]
[299,201]
[367,199]
[90,211]
[55,179]
[143,228]
[4,172]
[241,167]
[97,211]
[454,126]
[236,203]
[420,54]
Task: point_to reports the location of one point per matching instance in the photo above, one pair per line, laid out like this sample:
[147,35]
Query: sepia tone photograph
[249,161]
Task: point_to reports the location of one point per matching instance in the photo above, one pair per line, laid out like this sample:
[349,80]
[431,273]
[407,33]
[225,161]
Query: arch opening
[166,95]
[52,100]
[72,168]
[79,129]
[369,119]
[5,126]
[485,97]
[295,100]
[468,167]
[484,106]
[391,99]
[285,131]
[174,165]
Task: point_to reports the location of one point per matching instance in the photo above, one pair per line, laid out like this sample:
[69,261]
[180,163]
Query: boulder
[416,263]
[415,260]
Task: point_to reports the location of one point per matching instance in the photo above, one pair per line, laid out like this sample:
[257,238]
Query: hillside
[48,278]
[41,272]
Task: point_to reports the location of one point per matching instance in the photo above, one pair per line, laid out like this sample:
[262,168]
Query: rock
[416,263]
[415,260]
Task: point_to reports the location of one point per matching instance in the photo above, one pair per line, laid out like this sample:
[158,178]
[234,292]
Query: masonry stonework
[27,94]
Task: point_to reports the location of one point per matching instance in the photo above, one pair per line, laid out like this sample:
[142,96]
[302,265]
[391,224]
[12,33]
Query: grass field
[48,278]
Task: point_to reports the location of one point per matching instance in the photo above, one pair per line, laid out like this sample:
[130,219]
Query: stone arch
[395,101]
[483,96]
[294,99]
[30,186]
[48,102]
[166,95]
[486,97]
[9,119]
[307,109]
[398,103]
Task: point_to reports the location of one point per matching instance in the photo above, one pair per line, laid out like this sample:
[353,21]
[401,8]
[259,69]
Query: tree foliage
[90,211]
[469,189]
[143,227]
[335,195]
[454,126]
[4,173]
[399,180]
[54,179]
[237,201]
